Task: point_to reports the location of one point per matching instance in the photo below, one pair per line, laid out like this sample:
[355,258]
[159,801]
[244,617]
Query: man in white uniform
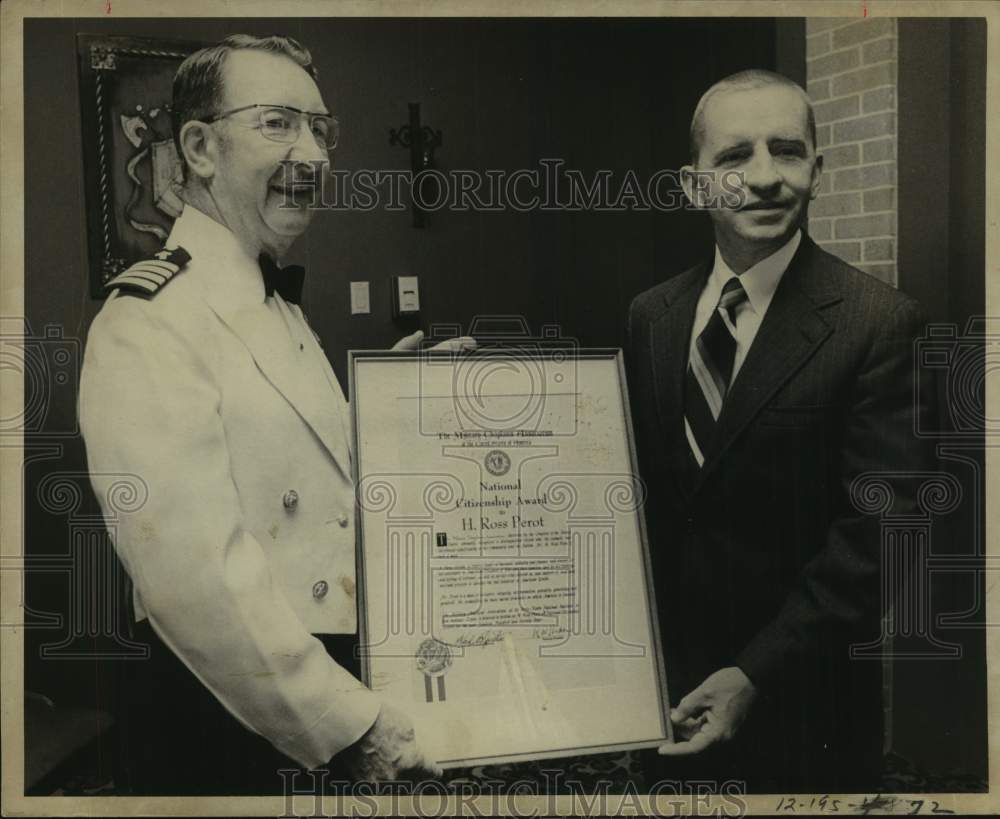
[205,382]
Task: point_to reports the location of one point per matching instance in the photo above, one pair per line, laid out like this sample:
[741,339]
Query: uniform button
[690,524]
[290,499]
[320,588]
[342,520]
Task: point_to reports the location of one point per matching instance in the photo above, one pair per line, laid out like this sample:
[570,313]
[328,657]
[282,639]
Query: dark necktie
[709,371]
[285,281]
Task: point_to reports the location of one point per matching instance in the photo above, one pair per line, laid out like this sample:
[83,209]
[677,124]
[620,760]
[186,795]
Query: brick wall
[851,78]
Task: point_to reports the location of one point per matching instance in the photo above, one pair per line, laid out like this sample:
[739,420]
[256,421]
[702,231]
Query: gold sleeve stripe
[137,283]
[147,271]
[168,268]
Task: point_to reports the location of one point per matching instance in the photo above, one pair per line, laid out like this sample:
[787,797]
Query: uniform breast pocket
[797,417]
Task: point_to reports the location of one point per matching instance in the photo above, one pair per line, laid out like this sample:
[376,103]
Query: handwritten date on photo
[880,803]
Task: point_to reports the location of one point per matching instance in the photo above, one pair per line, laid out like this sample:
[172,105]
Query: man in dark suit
[764,382]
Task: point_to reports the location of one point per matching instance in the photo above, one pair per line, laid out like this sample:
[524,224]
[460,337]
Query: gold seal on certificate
[497,462]
[504,591]
[433,660]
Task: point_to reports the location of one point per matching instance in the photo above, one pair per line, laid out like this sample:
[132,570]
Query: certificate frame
[362,360]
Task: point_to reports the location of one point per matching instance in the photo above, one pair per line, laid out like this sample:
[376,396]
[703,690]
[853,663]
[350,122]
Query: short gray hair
[197,90]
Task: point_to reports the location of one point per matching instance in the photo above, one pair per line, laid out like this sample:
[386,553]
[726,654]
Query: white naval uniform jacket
[223,403]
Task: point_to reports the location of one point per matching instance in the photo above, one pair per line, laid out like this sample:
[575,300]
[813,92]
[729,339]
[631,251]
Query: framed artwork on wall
[131,167]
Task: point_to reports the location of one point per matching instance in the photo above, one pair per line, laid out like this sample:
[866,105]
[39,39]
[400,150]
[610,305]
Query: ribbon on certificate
[433,661]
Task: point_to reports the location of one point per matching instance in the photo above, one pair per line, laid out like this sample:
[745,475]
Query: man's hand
[389,751]
[712,713]
[412,342]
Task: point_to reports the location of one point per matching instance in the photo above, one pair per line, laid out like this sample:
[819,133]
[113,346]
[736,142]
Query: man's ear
[693,192]
[200,148]
[817,173]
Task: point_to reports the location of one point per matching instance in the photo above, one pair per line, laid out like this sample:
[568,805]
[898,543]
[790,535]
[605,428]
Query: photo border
[12,172]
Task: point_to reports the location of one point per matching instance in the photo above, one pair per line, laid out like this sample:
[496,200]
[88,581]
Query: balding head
[744,81]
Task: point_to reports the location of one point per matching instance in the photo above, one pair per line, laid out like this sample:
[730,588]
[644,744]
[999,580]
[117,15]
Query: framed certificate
[505,595]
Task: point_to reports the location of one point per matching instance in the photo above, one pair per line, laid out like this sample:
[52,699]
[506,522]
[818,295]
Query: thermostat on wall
[405,296]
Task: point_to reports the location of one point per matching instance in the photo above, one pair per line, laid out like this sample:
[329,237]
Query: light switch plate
[406,294]
[360,298]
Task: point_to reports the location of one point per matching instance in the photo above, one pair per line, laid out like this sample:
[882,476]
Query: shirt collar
[761,280]
[218,260]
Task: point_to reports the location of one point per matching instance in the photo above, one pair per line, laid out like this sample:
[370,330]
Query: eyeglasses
[281,123]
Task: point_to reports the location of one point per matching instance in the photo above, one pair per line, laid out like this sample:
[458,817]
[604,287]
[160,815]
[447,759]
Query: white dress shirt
[759,282]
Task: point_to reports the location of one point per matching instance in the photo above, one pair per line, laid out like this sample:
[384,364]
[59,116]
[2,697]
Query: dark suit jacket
[761,560]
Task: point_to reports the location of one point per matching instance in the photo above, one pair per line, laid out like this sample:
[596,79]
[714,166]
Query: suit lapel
[791,332]
[669,337]
[265,336]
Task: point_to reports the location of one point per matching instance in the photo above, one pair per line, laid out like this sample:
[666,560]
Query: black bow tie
[285,281]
